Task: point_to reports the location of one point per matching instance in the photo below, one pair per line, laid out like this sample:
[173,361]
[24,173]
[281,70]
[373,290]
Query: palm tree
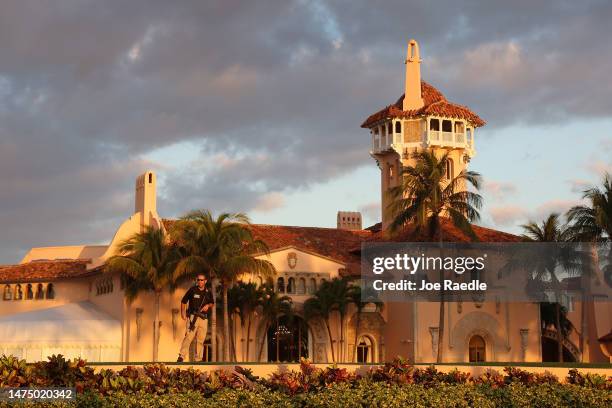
[244,298]
[425,195]
[342,291]
[593,223]
[545,263]
[226,248]
[147,263]
[272,307]
[321,305]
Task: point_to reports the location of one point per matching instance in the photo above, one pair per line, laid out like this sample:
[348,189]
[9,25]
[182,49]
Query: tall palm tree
[147,263]
[425,195]
[321,305]
[272,306]
[244,298]
[226,248]
[545,264]
[342,290]
[593,223]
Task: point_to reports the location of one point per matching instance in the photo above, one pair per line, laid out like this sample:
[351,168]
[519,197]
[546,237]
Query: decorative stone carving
[292,260]
[434,332]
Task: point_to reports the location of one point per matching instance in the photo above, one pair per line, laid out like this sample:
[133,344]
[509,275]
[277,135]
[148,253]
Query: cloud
[578,185]
[505,216]
[272,94]
[499,190]
[370,212]
[514,215]
[269,201]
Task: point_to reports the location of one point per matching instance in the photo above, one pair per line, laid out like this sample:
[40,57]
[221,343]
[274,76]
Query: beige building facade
[60,299]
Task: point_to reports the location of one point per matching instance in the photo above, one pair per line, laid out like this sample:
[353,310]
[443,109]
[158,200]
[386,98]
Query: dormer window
[40,293]
[50,291]
[18,292]
[8,295]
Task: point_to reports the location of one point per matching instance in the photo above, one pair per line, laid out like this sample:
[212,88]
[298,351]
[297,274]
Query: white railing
[459,138]
[434,135]
[447,136]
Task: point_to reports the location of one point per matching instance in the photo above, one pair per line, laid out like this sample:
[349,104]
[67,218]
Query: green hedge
[394,384]
[363,393]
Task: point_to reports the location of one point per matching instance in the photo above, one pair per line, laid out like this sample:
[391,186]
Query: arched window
[29,293]
[18,292]
[50,291]
[477,349]
[450,169]
[40,293]
[8,295]
[364,350]
[301,288]
[291,285]
[398,127]
[280,285]
[312,288]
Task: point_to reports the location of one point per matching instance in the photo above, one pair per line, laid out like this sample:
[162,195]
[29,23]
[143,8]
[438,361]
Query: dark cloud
[275,91]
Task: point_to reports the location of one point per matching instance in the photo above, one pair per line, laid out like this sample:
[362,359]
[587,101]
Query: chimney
[146,197]
[412,92]
[349,220]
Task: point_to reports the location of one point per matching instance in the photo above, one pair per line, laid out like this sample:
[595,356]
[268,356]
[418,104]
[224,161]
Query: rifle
[194,317]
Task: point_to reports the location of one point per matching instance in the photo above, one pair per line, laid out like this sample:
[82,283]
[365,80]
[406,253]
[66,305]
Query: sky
[256,106]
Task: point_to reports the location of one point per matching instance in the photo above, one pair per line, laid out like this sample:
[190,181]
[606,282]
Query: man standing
[198,299]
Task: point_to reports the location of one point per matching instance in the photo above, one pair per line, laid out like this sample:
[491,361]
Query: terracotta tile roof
[434,104]
[450,233]
[345,246]
[45,271]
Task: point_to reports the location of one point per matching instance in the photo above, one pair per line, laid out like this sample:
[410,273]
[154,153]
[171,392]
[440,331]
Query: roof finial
[412,92]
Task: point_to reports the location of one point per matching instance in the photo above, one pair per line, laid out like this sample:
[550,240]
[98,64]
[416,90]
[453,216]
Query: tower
[422,118]
[145,202]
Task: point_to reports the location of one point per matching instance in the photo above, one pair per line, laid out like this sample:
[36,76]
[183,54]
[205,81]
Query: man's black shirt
[197,298]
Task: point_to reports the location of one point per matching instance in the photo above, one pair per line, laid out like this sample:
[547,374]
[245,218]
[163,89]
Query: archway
[365,350]
[477,349]
[289,339]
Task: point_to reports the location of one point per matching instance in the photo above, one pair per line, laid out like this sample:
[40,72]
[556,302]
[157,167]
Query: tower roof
[435,103]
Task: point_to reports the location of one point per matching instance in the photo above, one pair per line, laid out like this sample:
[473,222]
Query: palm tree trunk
[331,341]
[358,323]
[263,340]
[248,340]
[441,319]
[225,325]
[559,332]
[233,338]
[156,327]
[341,345]
[213,323]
